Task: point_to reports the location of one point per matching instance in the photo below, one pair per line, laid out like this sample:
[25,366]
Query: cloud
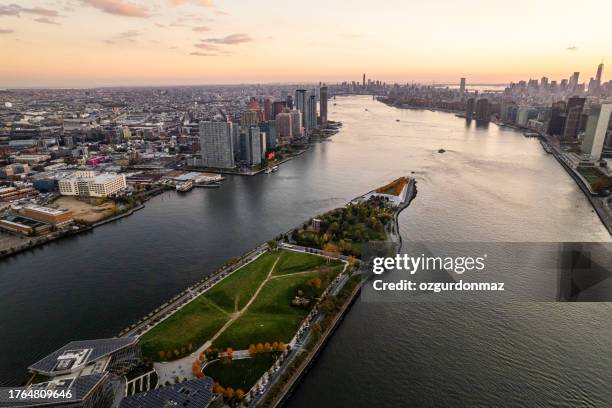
[232,39]
[201,29]
[205,54]
[118,7]
[16,10]
[206,46]
[6,31]
[572,48]
[46,20]
[126,36]
[203,3]
[221,13]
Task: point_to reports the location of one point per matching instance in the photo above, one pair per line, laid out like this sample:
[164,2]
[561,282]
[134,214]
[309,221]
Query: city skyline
[82,43]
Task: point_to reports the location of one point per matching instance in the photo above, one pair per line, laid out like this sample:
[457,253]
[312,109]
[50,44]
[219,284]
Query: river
[492,184]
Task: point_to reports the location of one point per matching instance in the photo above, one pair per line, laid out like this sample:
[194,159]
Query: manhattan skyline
[82,43]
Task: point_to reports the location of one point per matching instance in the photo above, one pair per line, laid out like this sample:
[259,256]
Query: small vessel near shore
[397,120]
[184,186]
[441,150]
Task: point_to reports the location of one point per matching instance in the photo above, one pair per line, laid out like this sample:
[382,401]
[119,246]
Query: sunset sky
[173,42]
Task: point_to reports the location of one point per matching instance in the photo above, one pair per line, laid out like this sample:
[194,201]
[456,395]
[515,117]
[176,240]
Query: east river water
[492,184]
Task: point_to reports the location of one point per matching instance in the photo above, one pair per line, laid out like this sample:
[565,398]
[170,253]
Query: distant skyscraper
[323,104]
[284,126]
[311,109]
[300,104]
[462,85]
[573,82]
[597,127]
[255,147]
[572,119]
[250,118]
[296,123]
[469,108]
[277,107]
[483,110]
[269,128]
[216,144]
[600,68]
[267,109]
[363,81]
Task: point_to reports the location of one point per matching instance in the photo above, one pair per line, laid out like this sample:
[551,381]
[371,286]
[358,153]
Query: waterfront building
[556,123]
[524,114]
[253,146]
[596,130]
[296,123]
[462,85]
[323,105]
[311,111]
[91,184]
[300,105]
[269,128]
[92,369]
[469,108]
[236,130]
[55,216]
[217,144]
[575,106]
[284,126]
[483,110]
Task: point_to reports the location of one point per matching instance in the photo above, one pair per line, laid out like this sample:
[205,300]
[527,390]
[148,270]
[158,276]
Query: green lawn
[291,262]
[241,374]
[271,317]
[194,324]
[235,291]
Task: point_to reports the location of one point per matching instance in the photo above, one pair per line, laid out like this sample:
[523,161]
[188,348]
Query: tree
[282,346]
[260,348]
[252,349]
[267,347]
[273,244]
[230,352]
[162,354]
[229,393]
[239,393]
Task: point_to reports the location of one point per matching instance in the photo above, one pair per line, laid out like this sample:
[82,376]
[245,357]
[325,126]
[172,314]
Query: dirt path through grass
[236,315]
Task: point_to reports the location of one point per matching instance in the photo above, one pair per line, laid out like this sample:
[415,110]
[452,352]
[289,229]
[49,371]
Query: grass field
[270,317]
[241,374]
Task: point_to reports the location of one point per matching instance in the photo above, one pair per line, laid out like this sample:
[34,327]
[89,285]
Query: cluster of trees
[340,229]
[168,355]
[267,347]
[231,396]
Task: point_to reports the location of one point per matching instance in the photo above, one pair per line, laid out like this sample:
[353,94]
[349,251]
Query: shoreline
[310,360]
[602,213]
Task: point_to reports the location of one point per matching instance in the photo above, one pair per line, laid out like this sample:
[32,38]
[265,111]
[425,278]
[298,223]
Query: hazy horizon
[100,43]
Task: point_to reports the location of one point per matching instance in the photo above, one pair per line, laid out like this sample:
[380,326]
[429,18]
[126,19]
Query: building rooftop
[77,354]
[193,393]
[46,210]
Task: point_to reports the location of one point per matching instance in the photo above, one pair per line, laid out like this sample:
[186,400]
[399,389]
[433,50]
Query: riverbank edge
[290,386]
[601,213]
[46,240]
